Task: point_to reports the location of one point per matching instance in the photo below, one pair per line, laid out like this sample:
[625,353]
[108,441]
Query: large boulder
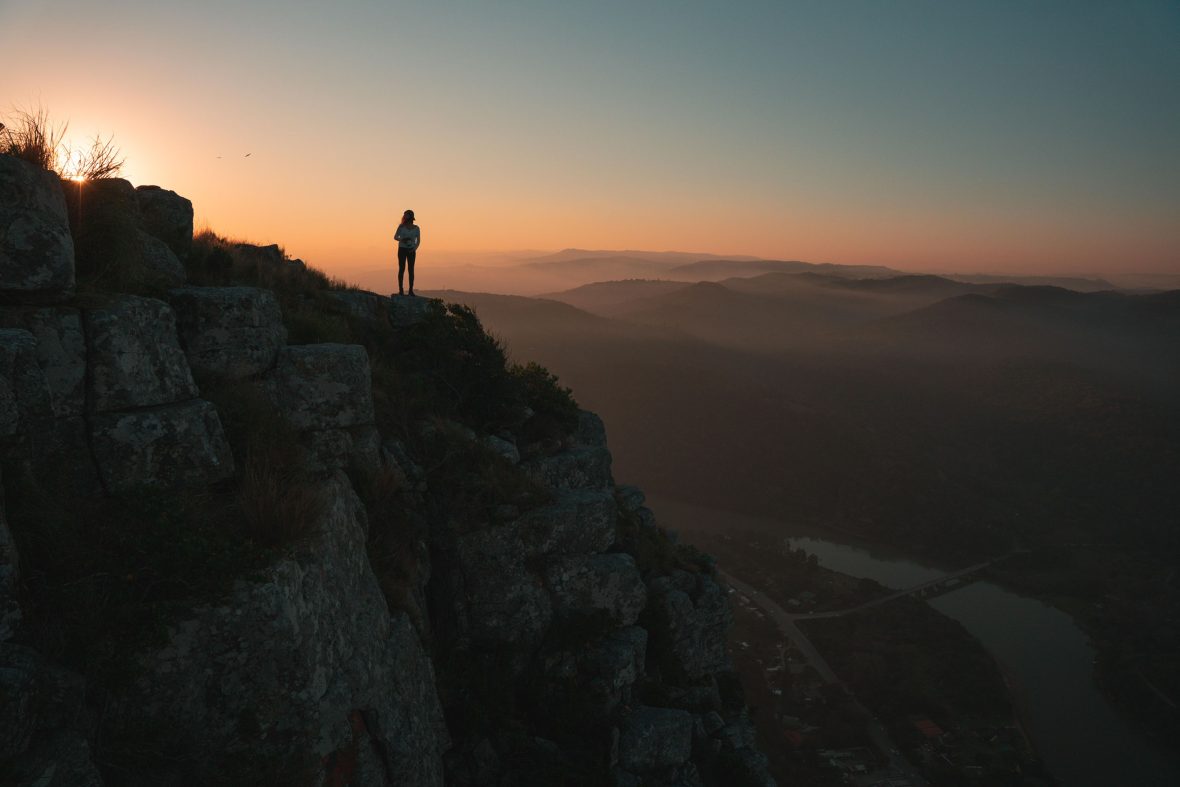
[18,711]
[57,453]
[586,465]
[44,722]
[587,682]
[168,216]
[167,446]
[654,739]
[160,265]
[36,248]
[229,332]
[498,599]
[60,759]
[134,356]
[299,677]
[405,311]
[597,586]
[688,616]
[323,386]
[359,303]
[577,523]
[41,426]
[24,395]
[356,448]
[591,431]
[105,220]
[10,611]
[60,351]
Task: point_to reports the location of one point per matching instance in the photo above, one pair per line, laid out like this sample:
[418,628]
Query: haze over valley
[950,420]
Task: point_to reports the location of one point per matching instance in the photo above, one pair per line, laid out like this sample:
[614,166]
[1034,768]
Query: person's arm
[397,235]
[417,238]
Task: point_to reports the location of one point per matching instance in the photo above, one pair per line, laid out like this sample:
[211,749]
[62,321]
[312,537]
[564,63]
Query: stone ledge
[168,446]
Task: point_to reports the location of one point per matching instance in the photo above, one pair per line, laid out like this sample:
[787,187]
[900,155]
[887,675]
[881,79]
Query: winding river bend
[1082,739]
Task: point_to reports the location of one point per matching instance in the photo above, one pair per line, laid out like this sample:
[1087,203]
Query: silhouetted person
[408,237]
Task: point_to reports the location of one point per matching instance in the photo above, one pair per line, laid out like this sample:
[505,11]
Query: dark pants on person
[404,257]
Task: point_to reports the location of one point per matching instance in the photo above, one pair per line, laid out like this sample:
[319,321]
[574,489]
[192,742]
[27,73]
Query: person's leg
[411,255]
[401,272]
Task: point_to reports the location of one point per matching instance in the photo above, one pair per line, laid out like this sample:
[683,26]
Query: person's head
[408,217]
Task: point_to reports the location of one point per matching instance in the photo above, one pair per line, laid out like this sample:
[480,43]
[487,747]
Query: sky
[999,135]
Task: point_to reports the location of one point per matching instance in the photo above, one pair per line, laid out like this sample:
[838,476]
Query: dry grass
[393,541]
[100,160]
[279,506]
[32,135]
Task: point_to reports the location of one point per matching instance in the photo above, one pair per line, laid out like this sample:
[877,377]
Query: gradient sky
[1001,135]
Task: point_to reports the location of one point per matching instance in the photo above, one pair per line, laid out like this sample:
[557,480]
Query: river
[1082,739]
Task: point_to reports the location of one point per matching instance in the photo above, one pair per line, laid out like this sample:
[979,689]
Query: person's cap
[409,213]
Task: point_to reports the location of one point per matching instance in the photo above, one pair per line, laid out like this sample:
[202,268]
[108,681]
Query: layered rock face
[304,668]
[533,643]
[628,661]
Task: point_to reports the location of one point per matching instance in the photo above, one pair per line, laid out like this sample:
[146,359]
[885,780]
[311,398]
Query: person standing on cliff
[408,237]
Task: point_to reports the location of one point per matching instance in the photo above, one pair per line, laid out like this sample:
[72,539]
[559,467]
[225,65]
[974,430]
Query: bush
[555,413]
[450,368]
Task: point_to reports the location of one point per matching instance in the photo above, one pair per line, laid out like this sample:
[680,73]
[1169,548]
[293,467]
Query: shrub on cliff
[555,413]
[447,366]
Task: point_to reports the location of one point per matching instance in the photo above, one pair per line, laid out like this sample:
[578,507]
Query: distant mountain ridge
[670,257]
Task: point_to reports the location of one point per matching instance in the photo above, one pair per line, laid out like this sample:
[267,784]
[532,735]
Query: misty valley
[945,420]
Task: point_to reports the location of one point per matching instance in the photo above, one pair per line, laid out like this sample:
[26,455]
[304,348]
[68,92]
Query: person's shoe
[412,295]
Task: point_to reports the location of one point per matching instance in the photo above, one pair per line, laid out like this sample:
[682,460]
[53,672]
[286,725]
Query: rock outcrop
[161,267]
[168,216]
[60,350]
[229,333]
[298,673]
[171,445]
[527,625]
[24,395]
[36,248]
[10,611]
[324,391]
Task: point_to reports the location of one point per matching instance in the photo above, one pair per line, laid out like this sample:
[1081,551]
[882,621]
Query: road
[786,625]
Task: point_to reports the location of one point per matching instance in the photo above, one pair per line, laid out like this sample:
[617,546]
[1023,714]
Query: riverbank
[1081,736]
[1129,606]
[938,692]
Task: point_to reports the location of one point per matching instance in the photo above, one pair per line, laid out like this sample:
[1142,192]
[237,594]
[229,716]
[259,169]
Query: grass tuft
[32,135]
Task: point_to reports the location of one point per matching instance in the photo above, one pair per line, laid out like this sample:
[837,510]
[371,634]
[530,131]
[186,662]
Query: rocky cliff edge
[264,529]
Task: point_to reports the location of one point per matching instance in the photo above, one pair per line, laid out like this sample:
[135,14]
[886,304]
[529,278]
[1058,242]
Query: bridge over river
[786,623]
